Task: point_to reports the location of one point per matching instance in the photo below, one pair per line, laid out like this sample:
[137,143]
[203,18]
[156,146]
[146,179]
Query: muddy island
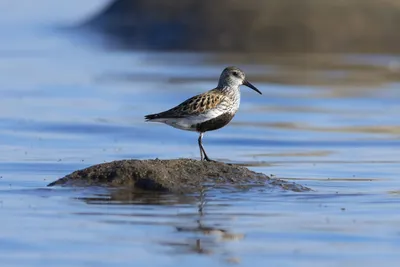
[273,26]
[176,176]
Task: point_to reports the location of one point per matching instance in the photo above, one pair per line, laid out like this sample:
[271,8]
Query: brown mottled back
[195,105]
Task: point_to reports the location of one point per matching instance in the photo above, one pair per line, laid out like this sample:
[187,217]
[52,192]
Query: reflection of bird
[208,111]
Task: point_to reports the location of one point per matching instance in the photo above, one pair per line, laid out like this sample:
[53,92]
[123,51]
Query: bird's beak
[248,84]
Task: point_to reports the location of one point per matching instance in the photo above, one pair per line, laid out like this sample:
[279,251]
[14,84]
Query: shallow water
[329,122]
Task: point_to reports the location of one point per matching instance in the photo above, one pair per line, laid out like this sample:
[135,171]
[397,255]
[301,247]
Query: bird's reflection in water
[192,234]
[204,240]
[208,237]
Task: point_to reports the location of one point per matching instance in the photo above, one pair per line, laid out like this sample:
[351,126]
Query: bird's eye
[235,73]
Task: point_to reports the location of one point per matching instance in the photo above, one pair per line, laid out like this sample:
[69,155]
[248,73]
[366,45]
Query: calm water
[328,122]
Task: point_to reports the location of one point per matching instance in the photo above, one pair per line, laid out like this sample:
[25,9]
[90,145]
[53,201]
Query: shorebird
[208,111]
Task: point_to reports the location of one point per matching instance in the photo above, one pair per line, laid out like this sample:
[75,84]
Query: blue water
[66,103]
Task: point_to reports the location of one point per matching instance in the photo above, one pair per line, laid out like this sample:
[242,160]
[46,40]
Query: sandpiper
[208,111]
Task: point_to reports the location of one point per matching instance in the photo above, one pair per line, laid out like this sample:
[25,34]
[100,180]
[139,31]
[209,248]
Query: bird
[208,111]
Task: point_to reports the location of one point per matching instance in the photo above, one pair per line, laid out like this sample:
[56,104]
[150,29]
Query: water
[329,122]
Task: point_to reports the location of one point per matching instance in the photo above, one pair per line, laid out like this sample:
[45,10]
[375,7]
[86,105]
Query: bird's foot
[208,159]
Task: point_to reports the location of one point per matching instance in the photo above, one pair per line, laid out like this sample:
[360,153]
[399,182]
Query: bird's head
[234,77]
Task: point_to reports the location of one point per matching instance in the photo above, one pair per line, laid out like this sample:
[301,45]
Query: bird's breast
[215,123]
[232,103]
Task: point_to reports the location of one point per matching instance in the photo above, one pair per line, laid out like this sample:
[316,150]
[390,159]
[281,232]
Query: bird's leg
[200,146]
[206,157]
[202,149]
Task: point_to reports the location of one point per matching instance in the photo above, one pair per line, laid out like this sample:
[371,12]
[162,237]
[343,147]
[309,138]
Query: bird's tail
[152,117]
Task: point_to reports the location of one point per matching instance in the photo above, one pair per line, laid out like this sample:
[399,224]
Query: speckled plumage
[196,105]
[208,111]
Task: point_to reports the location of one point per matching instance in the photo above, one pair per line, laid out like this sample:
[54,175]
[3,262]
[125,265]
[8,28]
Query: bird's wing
[196,105]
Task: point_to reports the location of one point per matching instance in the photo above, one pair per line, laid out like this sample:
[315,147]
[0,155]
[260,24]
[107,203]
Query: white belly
[189,123]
